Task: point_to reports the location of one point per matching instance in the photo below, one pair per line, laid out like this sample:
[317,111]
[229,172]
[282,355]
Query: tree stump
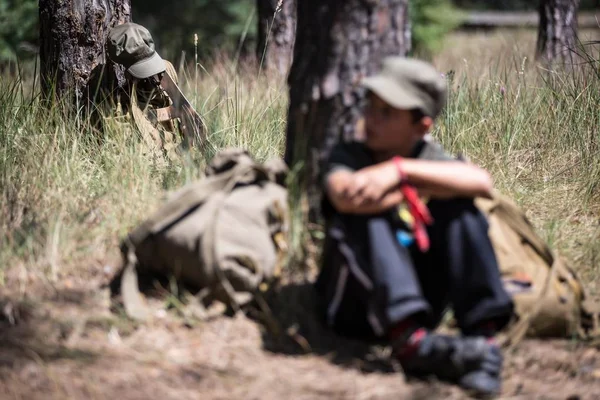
[72,38]
[276,34]
[338,42]
[557,31]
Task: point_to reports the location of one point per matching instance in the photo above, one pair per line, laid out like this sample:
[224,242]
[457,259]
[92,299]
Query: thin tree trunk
[276,34]
[338,42]
[72,38]
[557,31]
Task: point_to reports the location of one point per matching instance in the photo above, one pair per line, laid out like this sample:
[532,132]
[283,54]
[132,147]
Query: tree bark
[338,42]
[72,38]
[557,31]
[276,34]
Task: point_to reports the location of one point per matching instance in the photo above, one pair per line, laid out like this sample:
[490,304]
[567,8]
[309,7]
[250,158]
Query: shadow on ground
[294,307]
[530,368]
[28,333]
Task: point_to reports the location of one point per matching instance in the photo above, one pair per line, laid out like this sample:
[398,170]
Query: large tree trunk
[557,31]
[72,38]
[338,42]
[276,34]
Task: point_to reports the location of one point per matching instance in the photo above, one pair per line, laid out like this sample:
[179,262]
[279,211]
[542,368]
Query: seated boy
[391,264]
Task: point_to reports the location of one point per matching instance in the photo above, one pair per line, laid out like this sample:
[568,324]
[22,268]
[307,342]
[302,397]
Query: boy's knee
[445,211]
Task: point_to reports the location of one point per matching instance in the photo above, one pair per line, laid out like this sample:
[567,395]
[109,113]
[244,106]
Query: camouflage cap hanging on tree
[132,46]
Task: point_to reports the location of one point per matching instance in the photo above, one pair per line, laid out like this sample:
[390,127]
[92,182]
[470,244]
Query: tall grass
[536,130]
[67,192]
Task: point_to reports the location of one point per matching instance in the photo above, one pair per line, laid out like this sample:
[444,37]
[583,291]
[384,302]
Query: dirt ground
[71,342]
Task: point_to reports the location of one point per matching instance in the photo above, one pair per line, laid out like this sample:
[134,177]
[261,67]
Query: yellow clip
[405,215]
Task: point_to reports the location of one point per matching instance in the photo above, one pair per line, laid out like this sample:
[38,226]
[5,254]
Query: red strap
[417,208]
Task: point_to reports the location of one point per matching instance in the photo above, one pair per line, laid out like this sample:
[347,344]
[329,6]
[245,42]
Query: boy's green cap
[408,84]
[132,46]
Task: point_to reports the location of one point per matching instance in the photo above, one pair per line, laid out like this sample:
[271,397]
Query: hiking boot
[485,378]
[473,362]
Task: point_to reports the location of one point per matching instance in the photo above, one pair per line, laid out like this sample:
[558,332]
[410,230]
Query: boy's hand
[368,191]
[370,185]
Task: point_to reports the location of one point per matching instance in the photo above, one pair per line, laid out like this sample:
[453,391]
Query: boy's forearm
[375,189]
[354,206]
[367,191]
[447,179]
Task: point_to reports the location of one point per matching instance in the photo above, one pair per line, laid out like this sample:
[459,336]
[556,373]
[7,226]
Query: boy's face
[389,129]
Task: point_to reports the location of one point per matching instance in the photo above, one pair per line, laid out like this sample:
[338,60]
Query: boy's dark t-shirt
[355,156]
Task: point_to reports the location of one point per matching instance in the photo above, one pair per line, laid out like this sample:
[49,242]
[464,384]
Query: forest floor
[66,342]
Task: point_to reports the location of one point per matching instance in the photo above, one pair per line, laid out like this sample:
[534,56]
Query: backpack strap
[590,321]
[559,274]
[505,210]
[193,197]
[133,300]
[173,210]
[518,331]
[209,252]
[158,127]
[220,185]
[517,220]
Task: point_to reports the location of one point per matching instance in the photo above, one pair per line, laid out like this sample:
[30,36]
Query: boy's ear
[425,124]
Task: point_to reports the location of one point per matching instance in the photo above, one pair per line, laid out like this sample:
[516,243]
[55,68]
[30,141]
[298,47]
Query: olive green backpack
[550,300]
[224,235]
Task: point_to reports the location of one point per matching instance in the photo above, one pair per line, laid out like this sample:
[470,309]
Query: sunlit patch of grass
[67,194]
[537,131]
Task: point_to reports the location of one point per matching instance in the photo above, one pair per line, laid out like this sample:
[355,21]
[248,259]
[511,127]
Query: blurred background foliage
[230,25]
[514,5]
[431,20]
[18,29]
[219,24]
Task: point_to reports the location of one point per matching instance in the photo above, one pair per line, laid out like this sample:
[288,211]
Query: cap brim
[392,92]
[146,68]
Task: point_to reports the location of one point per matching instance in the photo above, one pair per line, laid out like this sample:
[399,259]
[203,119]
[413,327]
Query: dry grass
[538,132]
[67,194]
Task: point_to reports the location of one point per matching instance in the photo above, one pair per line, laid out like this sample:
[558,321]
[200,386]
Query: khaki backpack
[549,298]
[224,234]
